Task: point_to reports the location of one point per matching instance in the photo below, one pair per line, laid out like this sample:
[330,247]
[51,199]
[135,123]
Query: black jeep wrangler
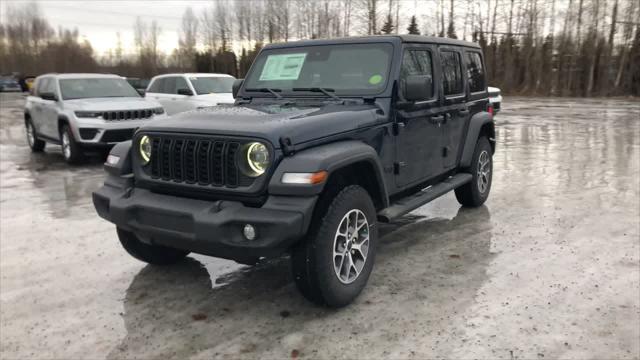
[326,139]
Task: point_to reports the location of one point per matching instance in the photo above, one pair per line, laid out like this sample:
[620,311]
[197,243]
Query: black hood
[271,122]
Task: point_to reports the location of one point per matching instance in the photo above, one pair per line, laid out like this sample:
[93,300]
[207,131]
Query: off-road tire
[152,254]
[75,154]
[470,194]
[312,260]
[35,144]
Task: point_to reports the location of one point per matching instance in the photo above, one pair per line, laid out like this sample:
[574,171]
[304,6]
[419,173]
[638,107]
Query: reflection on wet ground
[549,267]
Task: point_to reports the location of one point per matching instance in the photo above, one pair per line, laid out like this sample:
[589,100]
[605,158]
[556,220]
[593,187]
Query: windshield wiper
[269,90]
[325,91]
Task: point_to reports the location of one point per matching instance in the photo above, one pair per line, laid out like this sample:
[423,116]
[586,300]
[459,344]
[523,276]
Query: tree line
[532,47]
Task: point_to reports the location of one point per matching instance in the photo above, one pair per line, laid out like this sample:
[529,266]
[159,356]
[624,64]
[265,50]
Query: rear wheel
[476,192]
[71,150]
[152,254]
[35,144]
[333,265]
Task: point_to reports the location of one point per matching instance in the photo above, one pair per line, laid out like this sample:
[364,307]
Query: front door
[419,126]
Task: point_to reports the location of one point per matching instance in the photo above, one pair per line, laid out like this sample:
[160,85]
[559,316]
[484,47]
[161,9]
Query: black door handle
[436,119]
[464,112]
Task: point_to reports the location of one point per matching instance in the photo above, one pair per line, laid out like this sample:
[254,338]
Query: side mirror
[236,87]
[49,96]
[141,92]
[418,88]
[186,92]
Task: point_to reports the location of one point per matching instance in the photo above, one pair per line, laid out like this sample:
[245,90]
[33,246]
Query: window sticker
[282,67]
[375,79]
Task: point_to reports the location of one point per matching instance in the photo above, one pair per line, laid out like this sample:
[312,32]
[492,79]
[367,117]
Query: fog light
[249,232]
[113,160]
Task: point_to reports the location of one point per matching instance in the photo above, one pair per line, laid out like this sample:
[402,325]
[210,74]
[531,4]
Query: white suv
[183,92]
[81,111]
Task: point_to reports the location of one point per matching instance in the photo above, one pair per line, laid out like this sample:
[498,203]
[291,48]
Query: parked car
[8,84]
[139,84]
[495,98]
[183,92]
[326,139]
[81,111]
[28,83]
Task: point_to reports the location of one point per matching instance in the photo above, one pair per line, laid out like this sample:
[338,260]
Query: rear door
[456,111]
[418,140]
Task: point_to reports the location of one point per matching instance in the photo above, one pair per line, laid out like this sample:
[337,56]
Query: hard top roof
[378,38]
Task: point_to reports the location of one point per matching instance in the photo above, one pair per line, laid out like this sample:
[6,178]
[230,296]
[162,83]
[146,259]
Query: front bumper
[207,227]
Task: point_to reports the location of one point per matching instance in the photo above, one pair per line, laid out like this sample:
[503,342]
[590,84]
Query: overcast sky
[99,21]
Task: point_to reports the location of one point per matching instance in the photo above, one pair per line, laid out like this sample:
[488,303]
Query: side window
[45,85]
[475,72]
[416,62]
[451,73]
[157,86]
[169,85]
[181,83]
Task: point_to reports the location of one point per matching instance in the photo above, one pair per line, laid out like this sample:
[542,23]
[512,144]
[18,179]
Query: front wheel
[476,192]
[333,265]
[152,254]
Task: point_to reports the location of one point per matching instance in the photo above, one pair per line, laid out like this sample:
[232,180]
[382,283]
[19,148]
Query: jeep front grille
[127,115]
[196,161]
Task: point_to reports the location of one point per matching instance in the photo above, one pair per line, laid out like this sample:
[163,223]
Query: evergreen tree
[387,28]
[413,26]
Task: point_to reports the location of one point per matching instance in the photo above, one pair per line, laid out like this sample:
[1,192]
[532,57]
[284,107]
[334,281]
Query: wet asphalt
[548,268]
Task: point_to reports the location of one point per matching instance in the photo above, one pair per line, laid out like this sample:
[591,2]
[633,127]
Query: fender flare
[330,157]
[476,123]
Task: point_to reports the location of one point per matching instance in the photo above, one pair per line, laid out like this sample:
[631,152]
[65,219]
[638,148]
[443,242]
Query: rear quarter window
[475,72]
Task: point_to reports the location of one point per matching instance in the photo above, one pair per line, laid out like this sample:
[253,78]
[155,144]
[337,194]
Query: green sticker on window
[375,79]
[282,67]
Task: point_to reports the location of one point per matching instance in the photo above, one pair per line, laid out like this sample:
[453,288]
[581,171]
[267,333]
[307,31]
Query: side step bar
[422,197]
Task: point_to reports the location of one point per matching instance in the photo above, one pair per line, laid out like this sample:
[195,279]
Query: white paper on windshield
[282,67]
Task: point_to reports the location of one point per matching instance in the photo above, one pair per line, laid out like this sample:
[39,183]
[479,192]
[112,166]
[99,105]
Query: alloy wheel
[351,246]
[66,145]
[31,138]
[484,171]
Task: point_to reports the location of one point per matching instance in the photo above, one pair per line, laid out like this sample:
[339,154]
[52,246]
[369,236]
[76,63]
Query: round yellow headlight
[257,159]
[145,149]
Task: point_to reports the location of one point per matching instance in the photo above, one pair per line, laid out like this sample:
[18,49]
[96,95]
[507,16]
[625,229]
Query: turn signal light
[305,178]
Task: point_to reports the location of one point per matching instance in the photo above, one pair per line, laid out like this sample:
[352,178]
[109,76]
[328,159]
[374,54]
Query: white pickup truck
[183,92]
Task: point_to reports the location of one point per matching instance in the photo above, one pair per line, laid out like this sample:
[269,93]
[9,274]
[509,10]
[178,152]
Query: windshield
[212,85]
[347,69]
[96,88]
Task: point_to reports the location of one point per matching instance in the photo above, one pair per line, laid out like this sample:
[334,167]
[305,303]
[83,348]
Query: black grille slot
[190,161]
[155,156]
[203,162]
[176,154]
[208,162]
[231,169]
[165,157]
[217,163]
